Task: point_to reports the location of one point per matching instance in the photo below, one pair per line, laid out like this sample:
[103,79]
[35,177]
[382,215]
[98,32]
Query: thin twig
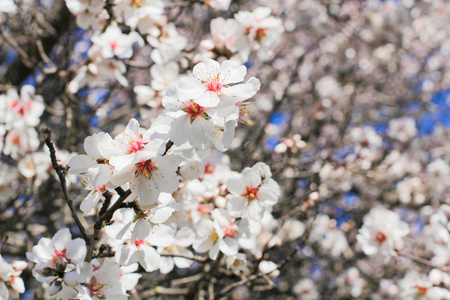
[25,57]
[62,178]
[422,261]
[46,59]
[195,257]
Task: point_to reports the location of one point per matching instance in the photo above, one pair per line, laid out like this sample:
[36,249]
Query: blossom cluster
[183,196]
[231,149]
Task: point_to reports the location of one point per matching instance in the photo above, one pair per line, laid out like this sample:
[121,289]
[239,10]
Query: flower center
[135,146]
[139,243]
[145,168]
[193,110]
[15,139]
[95,288]
[59,254]
[203,209]
[260,34]
[214,237]
[229,231]
[380,237]
[214,85]
[209,169]
[113,45]
[251,193]
[422,290]
[100,189]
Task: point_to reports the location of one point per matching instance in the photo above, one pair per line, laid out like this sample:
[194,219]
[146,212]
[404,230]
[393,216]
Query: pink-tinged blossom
[403,129]
[136,236]
[86,11]
[18,142]
[131,12]
[55,257]
[210,80]
[420,286]
[95,167]
[98,71]
[121,151]
[227,39]
[252,192]
[23,111]
[382,233]
[221,234]
[101,279]
[191,121]
[234,230]
[262,30]
[149,175]
[11,285]
[114,43]
[167,42]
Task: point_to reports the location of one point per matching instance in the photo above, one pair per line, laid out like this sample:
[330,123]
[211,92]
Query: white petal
[80,164]
[161,235]
[229,246]
[76,250]
[61,239]
[232,72]
[141,230]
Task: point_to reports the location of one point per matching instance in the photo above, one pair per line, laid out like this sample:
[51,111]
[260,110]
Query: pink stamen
[136,146]
[145,168]
[59,254]
[229,231]
[139,242]
[214,85]
[203,209]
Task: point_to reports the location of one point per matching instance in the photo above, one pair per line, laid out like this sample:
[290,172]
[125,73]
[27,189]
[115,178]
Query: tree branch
[62,178]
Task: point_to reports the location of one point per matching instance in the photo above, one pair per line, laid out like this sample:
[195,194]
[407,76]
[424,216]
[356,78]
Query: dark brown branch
[62,178]
[105,217]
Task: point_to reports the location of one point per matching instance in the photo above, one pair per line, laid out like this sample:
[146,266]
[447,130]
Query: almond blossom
[149,175]
[100,279]
[210,80]
[114,43]
[132,12]
[262,29]
[21,111]
[57,257]
[382,233]
[253,191]
[121,151]
[11,285]
[93,164]
[86,11]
